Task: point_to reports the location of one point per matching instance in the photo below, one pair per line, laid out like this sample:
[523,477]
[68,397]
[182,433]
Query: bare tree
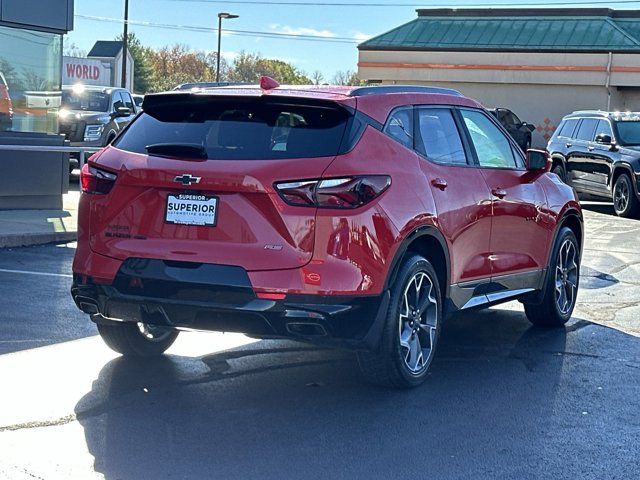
[72,50]
[317,77]
[346,77]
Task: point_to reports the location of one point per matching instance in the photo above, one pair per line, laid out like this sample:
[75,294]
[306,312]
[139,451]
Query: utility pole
[125,44]
[221,15]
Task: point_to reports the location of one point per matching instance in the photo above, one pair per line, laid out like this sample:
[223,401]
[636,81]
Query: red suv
[357,217]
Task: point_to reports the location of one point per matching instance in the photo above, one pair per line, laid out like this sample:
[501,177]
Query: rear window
[240,128]
[567,128]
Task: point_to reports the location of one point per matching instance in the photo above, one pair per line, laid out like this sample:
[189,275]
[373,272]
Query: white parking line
[29,272]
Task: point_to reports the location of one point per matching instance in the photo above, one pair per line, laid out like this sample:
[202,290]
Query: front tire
[411,330]
[559,294]
[625,202]
[137,339]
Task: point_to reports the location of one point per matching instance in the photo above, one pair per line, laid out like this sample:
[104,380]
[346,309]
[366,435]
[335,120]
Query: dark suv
[519,130]
[598,153]
[92,116]
[357,217]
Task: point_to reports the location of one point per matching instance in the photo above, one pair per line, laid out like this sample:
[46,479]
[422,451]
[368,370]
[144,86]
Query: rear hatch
[195,176]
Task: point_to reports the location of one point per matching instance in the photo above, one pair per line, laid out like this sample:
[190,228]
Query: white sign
[188,209]
[88,71]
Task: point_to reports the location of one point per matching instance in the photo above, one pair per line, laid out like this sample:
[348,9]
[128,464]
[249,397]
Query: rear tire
[559,294]
[411,330]
[625,202]
[137,339]
[559,171]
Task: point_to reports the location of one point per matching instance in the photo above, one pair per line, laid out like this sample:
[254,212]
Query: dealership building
[31,66]
[542,63]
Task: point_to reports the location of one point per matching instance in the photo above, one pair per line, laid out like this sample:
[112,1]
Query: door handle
[590,148]
[440,183]
[568,144]
[499,192]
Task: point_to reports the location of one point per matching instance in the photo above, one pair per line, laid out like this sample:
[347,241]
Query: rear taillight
[347,192]
[95,180]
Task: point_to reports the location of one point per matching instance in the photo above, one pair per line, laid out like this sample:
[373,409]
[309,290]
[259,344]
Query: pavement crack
[38,424]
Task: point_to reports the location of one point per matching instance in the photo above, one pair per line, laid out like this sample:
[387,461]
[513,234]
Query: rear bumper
[221,298]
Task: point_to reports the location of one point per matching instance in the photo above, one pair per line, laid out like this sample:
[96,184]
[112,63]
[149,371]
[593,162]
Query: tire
[394,365]
[563,279]
[625,202]
[137,339]
[559,171]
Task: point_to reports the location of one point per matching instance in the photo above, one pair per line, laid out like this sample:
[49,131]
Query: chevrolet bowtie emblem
[187,179]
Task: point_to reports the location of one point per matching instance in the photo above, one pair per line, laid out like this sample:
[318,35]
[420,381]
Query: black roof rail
[382,89]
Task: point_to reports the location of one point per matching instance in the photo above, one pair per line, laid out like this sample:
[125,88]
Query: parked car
[92,116]
[519,130]
[6,107]
[598,153]
[137,100]
[357,217]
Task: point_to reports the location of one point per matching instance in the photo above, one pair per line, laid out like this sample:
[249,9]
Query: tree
[72,50]
[346,77]
[177,64]
[249,67]
[317,77]
[142,70]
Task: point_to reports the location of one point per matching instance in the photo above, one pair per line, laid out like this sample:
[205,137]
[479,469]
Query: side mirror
[122,112]
[603,139]
[538,160]
[527,126]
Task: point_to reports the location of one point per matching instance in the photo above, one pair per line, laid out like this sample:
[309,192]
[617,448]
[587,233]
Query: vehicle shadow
[503,400]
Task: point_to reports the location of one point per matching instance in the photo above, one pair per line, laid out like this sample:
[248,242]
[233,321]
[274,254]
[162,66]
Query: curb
[30,239]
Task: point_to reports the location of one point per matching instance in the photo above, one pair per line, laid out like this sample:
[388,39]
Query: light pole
[221,15]
[125,44]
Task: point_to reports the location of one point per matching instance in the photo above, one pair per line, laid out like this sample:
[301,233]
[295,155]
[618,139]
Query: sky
[343,26]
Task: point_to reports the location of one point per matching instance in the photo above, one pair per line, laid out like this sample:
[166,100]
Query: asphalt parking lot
[504,399]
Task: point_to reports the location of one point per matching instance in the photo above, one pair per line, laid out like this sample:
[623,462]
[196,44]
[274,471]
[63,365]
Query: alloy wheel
[418,323]
[621,196]
[566,276]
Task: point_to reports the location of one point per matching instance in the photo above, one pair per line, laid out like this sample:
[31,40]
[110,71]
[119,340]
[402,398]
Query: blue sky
[345,22]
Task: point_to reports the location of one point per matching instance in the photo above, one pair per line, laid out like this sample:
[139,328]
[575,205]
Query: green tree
[142,69]
[249,67]
[178,64]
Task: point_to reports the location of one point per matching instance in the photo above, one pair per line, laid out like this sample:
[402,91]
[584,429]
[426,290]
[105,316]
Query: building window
[30,77]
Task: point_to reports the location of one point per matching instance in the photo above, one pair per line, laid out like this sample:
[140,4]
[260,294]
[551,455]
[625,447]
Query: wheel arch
[619,169]
[429,242]
[572,219]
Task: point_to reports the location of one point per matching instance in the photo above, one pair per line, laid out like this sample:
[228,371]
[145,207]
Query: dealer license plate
[186,209]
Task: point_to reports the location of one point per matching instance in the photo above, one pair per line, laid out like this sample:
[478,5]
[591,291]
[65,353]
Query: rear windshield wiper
[178,150]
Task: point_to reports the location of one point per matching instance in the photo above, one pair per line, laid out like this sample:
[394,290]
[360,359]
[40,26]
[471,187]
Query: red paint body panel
[521,232]
[321,251]
[463,216]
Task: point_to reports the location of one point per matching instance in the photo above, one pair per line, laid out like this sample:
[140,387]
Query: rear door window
[240,128]
[586,129]
[439,139]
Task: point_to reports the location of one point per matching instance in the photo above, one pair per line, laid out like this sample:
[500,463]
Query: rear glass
[568,128]
[239,128]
